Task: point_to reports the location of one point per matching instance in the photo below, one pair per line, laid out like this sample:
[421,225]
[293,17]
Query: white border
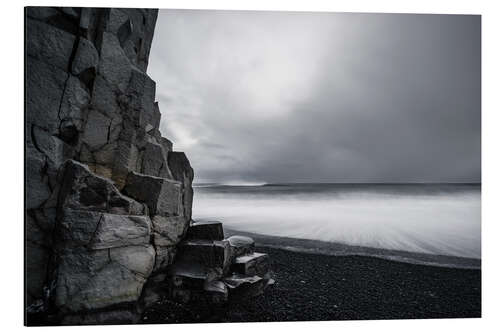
[11,140]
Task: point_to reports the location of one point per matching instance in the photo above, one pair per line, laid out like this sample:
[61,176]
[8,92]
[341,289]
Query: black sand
[323,287]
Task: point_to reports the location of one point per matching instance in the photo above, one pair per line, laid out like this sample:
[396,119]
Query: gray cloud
[321,97]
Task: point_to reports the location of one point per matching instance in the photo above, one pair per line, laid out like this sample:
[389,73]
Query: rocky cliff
[108,200]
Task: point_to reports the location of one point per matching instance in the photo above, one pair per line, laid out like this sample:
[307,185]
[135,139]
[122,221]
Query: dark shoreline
[324,287]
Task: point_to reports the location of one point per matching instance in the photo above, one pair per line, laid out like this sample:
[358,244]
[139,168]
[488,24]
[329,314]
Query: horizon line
[374,183]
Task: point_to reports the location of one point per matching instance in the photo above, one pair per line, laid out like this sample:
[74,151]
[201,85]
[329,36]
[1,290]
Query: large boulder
[209,230]
[241,245]
[92,280]
[84,190]
[96,230]
[213,254]
[102,260]
[162,196]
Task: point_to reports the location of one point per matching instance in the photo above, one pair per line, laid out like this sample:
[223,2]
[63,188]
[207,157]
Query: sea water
[434,219]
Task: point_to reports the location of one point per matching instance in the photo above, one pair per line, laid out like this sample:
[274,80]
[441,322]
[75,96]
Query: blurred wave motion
[440,219]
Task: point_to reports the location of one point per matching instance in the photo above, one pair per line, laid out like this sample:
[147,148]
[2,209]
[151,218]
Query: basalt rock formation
[108,202]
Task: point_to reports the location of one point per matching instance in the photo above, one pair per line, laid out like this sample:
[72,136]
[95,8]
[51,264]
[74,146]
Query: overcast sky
[321,97]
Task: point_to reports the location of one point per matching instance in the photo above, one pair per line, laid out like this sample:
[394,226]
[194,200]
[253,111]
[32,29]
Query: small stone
[181,295]
[241,245]
[241,286]
[251,264]
[217,291]
[191,275]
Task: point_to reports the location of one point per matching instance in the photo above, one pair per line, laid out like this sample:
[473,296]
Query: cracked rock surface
[92,130]
[108,200]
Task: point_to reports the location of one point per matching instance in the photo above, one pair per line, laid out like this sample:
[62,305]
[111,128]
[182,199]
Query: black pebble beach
[324,287]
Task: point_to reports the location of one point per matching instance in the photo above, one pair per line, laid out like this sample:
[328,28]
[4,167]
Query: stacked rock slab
[107,200]
[209,268]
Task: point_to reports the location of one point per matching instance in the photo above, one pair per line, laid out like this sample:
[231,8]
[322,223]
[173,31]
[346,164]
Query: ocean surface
[421,223]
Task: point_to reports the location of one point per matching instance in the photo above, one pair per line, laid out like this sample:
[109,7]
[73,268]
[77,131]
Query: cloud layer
[321,97]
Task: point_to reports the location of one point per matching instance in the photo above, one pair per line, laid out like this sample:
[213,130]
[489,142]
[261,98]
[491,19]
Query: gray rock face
[154,161]
[90,280]
[36,243]
[96,130]
[162,196]
[92,129]
[49,44]
[38,190]
[86,57]
[44,89]
[96,230]
[168,230]
[114,65]
[84,190]
[108,201]
[182,172]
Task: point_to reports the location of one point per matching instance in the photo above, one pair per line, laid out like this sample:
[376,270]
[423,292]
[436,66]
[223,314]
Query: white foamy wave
[444,224]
